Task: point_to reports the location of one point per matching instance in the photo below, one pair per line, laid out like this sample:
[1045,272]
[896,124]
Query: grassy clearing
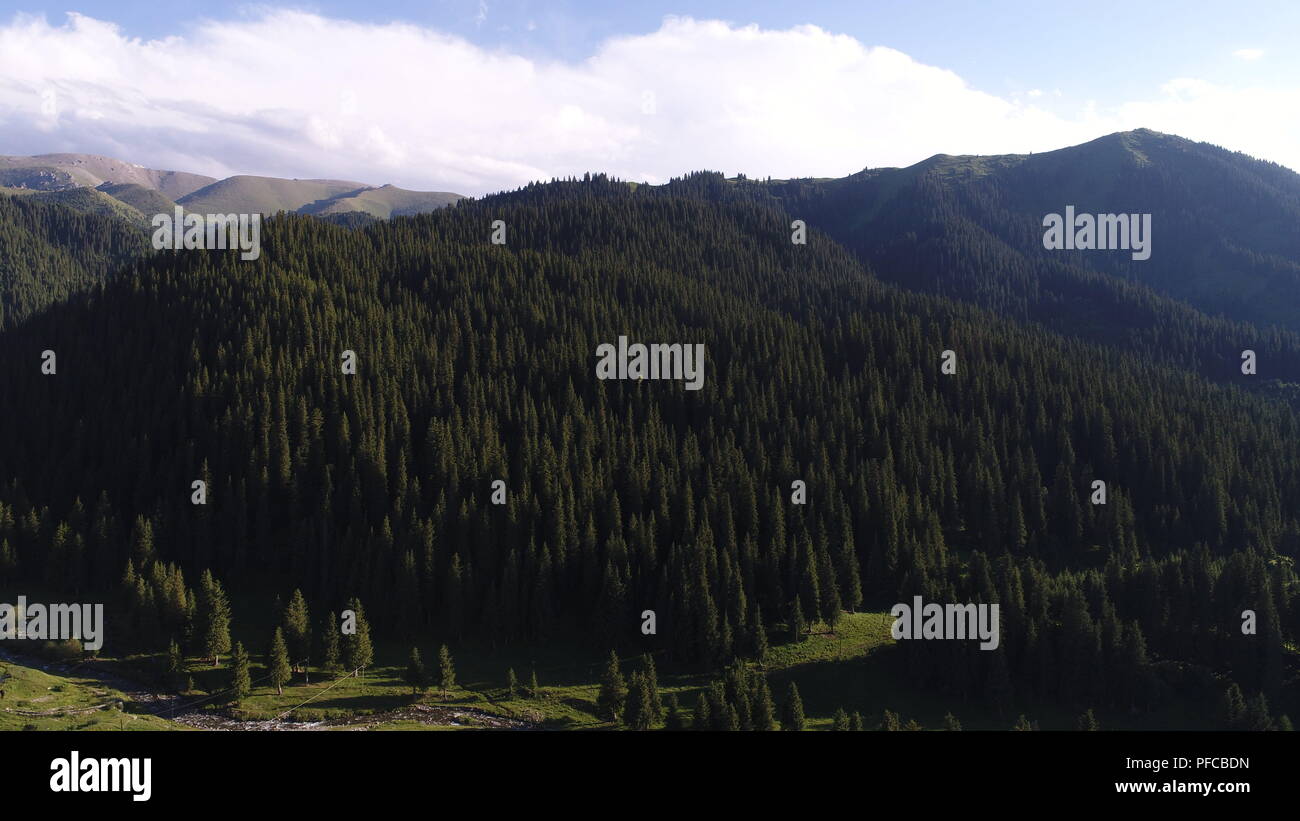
[66,702]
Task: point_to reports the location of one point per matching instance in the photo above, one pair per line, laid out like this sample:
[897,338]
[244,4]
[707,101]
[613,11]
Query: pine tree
[1232,708]
[1257,717]
[446,671]
[534,689]
[613,690]
[330,653]
[297,631]
[855,722]
[213,618]
[1022,724]
[792,713]
[841,720]
[640,713]
[358,653]
[798,627]
[512,684]
[175,666]
[890,722]
[651,676]
[241,683]
[764,711]
[674,721]
[415,673]
[701,720]
[951,723]
[277,662]
[1087,721]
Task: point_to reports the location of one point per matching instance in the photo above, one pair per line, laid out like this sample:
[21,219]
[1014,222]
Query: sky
[475,96]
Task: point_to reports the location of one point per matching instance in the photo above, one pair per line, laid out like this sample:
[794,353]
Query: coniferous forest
[476,363]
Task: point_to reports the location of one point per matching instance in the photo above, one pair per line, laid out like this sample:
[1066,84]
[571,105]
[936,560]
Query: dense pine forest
[476,363]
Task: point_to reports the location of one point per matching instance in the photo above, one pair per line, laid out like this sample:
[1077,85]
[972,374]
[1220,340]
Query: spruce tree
[241,682]
[358,653]
[701,720]
[841,720]
[613,690]
[330,653]
[415,673]
[950,723]
[1087,721]
[446,671]
[673,720]
[512,685]
[792,717]
[213,618]
[277,662]
[297,631]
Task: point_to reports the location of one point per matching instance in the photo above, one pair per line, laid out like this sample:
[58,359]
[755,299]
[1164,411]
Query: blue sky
[1065,70]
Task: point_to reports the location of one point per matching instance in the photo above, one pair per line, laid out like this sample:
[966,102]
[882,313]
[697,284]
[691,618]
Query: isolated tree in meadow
[241,681]
[297,631]
[415,673]
[277,662]
[792,717]
[358,652]
[213,618]
[613,690]
[446,671]
[512,684]
[534,689]
[330,652]
[175,666]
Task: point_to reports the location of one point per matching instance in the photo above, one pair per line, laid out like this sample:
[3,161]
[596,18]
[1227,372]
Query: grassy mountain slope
[384,202]
[90,170]
[264,195]
[145,200]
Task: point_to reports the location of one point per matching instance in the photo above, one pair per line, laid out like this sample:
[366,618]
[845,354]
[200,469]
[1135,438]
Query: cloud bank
[295,94]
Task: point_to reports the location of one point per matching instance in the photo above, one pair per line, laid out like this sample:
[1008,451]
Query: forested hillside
[476,362]
[49,251]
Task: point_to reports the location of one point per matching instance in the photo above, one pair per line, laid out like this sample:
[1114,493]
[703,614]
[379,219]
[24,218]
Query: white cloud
[298,95]
[1248,53]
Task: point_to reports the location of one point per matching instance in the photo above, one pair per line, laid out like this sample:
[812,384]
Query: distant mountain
[151,192]
[384,202]
[145,200]
[52,172]
[1224,225]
